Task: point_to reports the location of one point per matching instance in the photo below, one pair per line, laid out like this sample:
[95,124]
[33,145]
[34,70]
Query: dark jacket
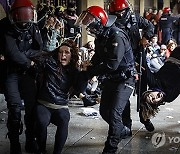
[166,21]
[113,53]
[19,47]
[57,81]
[132,24]
[168,78]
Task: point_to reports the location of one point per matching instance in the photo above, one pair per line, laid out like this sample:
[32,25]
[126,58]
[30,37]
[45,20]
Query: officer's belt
[121,75]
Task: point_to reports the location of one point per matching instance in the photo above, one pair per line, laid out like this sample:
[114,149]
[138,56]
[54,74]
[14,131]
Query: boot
[41,152]
[13,135]
[126,132]
[30,144]
[15,148]
[148,125]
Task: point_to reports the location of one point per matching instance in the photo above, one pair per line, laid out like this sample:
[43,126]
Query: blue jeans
[114,98]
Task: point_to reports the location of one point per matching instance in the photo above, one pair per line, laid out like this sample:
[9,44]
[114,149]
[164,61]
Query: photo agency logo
[159,139]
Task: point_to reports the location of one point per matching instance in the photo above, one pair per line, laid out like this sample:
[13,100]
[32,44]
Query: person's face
[154,39]
[91,45]
[64,55]
[163,50]
[154,97]
[51,20]
[173,46]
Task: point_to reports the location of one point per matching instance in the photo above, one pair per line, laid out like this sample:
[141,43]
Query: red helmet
[92,13]
[94,19]
[118,5]
[99,13]
[22,11]
[167,10]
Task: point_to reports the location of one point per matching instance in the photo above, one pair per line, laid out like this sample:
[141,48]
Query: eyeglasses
[163,49]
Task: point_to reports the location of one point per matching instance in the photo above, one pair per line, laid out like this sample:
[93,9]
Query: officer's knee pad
[14,113]
[14,117]
[14,123]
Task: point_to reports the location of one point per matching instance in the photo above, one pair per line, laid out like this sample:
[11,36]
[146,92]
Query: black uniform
[166,26]
[131,24]
[114,58]
[19,48]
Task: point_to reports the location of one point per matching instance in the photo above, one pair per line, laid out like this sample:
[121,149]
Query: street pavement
[88,133]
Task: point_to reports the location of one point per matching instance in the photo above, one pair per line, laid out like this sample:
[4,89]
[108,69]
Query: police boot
[31,144]
[126,132]
[13,135]
[15,148]
[41,152]
[148,125]
[129,134]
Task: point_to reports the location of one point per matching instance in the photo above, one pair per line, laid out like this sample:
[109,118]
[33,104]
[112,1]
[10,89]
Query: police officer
[166,25]
[131,23]
[22,41]
[113,58]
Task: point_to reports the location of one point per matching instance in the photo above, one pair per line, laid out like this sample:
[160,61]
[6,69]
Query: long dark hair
[74,51]
[149,110]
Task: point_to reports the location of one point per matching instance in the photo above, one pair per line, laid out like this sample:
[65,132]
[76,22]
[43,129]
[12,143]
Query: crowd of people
[44,65]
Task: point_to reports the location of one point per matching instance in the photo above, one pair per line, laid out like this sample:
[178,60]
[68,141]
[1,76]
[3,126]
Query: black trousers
[60,118]
[20,87]
[115,96]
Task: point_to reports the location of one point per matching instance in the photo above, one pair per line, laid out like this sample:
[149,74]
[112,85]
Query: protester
[59,75]
[164,86]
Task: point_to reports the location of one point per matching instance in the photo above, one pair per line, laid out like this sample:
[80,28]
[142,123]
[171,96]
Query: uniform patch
[115,44]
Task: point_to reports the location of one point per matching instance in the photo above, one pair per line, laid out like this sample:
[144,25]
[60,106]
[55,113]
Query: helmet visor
[85,19]
[23,15]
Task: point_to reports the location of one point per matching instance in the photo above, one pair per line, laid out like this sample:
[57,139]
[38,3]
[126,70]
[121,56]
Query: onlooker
[154,43]
[71,31]
[154,61]
[162,52]
[51,33]
[170,48]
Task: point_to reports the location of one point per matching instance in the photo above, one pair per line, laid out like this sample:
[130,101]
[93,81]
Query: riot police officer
[131,23]
[114,59]
[22,41]
[166,25]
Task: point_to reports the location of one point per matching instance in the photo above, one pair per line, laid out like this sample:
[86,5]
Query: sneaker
[88,101]
[148,125]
